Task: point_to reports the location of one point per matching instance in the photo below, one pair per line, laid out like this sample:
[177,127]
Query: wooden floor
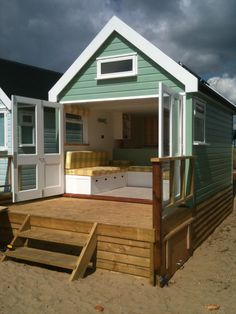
[108,212]
[130,192]
[137,192]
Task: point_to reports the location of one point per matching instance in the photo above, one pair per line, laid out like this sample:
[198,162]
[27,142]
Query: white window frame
[22,124]
[130,56]
[199,116]
[4,147]
[82,122]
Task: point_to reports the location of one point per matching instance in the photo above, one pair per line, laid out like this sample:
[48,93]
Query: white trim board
[115,24]
[5,100]
[108,99]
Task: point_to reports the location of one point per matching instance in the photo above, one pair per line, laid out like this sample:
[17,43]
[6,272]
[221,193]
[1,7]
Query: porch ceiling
[147,105]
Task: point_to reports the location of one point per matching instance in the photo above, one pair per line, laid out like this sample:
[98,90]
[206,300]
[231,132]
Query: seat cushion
[93,171]
[85,159]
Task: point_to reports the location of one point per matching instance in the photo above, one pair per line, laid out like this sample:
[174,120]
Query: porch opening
[114,158]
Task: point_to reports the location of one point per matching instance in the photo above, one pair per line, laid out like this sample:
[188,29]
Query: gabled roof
[116,25]
[5,99]
[25,80]
[206,89]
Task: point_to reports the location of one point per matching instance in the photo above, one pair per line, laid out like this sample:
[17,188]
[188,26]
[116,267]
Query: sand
[209,277]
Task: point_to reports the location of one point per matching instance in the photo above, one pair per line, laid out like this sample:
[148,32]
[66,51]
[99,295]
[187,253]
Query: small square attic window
[117,66]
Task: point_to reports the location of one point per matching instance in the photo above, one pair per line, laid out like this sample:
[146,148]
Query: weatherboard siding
[3,175]
[84,86]
[213,171]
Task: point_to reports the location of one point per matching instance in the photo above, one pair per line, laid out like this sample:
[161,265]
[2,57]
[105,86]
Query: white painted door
[170,118]
[170,122]
[38,149]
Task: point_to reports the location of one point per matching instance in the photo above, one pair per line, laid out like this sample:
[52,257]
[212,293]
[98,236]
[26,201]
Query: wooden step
[43,257]
[55,236]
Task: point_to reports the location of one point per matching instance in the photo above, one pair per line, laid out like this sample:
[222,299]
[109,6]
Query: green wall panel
[213,165]
[137,156]
[84,86]
[4,175]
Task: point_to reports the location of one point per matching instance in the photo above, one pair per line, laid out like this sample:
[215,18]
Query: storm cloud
[52,33]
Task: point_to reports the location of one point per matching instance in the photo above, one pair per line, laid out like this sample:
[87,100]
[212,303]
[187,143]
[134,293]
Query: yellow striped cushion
[140,168]
[84,159]
[93,171]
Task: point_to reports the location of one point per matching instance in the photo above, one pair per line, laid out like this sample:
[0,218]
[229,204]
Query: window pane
[199,130]
[26,129]
[2,130]
[27,135]
[51,130]
[116,66]
[74,133]
[27,177]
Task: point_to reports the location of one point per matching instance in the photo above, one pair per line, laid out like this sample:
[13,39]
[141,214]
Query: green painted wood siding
[4,175]
[213,170]
[9,127]
[84,86]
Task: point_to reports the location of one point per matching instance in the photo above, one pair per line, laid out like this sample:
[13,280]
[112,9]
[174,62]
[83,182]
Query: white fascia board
[5,100]
[108,99]
[115,24]
[154,53]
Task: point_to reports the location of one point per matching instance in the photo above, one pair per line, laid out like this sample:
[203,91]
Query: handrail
[160,159]
[178,178]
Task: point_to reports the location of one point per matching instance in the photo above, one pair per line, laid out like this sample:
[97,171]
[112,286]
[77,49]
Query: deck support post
[157,217]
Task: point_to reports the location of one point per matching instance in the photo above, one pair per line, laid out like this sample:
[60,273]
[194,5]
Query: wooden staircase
[72,250]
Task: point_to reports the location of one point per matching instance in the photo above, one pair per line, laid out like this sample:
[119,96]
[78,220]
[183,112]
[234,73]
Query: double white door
[37,133]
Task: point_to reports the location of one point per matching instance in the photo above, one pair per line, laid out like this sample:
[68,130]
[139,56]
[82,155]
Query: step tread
[43,257]
[55,236]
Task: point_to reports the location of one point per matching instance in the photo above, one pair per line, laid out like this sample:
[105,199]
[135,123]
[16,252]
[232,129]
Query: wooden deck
[107,212]
[35,238]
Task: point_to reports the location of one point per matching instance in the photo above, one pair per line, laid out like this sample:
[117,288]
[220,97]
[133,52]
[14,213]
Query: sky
[52,33]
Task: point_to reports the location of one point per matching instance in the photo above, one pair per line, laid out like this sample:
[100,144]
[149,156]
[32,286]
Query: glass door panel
[26,129]
[27,177]
[51,130]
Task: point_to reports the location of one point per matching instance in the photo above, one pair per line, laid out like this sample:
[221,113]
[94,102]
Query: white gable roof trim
[5,99]
[115,24]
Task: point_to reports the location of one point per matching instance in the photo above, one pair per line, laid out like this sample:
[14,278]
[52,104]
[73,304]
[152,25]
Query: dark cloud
[52,33]
[48,33]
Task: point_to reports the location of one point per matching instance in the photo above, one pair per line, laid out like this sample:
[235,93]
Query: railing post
[183,179]
[157,213]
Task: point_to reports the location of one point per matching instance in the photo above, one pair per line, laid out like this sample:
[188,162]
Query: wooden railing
[178,174]
[8,183]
